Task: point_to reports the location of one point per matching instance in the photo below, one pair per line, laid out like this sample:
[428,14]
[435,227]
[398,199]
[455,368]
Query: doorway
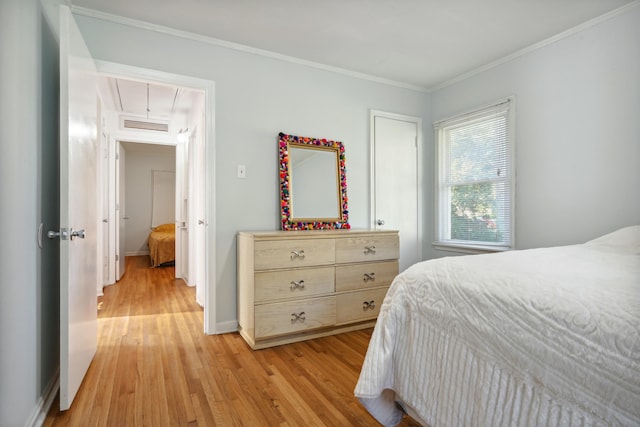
[195,191]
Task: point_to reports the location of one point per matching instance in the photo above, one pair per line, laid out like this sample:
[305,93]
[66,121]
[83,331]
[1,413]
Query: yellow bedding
[162,244]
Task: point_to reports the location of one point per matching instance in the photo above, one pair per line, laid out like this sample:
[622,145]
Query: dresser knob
[369,249]
[297,285]
[298,317]
[297,254]
[368,305]
[369,277]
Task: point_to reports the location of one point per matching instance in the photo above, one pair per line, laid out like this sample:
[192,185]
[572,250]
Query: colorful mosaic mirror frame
[288,222]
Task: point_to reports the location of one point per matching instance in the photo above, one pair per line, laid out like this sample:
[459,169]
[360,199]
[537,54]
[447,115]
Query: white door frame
[420,161]
[208,87]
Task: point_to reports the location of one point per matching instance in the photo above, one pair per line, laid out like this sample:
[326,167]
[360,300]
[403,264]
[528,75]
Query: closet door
[395,180]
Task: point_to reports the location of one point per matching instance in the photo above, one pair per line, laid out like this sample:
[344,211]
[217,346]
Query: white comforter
[538,337]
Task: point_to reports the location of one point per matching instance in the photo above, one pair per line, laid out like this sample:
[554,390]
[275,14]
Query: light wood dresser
[297,285]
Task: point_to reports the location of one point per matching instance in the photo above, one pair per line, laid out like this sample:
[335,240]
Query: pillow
[626,239]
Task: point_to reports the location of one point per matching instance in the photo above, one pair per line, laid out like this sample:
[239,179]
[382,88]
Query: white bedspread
[541,337]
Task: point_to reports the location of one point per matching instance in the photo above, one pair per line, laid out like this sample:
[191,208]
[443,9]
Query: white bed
[539,337]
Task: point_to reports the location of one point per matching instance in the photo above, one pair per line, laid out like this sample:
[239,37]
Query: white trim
[136,253]
[539,45]
[468,249]
[45,401]
[208,87]
[239,47]
[440,165]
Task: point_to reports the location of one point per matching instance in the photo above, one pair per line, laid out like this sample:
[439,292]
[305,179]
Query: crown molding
[82,11]
[536,46]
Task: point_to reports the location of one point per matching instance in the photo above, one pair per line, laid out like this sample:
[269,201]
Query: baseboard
[136,253]
[41,410]
[225,327]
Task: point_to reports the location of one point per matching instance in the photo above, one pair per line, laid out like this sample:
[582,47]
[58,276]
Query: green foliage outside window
[473,214]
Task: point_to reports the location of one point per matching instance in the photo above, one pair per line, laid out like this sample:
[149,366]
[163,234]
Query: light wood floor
[155,367]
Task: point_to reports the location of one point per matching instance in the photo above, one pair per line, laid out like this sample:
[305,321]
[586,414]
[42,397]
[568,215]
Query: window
[475,179]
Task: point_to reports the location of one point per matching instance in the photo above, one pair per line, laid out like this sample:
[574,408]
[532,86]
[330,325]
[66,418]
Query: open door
[121,219]
[78,208]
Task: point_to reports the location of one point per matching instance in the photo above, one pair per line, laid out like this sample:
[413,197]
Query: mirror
[313,185]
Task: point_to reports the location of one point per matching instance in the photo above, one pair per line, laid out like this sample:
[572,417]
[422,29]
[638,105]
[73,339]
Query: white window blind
[476,179]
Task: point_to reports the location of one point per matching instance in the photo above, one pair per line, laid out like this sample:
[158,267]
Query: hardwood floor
[154,367]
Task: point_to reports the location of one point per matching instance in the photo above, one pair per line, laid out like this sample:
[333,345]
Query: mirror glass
[313,185]
[313,179]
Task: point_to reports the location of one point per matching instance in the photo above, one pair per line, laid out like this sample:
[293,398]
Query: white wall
[257,97]
[29,194]
[141,161]
[577,132]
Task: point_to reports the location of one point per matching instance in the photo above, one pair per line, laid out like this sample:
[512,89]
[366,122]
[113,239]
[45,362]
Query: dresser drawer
[294,316]
[366,275]
[293,253]
[369,248]
[297,283]
[361,305]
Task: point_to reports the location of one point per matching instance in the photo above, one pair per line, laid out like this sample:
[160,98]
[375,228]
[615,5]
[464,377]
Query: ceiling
[146,100]
[418,43]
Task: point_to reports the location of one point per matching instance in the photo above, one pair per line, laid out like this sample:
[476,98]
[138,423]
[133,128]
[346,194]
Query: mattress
[535,337]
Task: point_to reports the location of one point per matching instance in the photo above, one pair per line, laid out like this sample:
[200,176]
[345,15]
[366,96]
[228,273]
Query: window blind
[475,178]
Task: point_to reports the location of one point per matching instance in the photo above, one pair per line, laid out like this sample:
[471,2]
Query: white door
[200,252]
[103,179]
[396,201]
[78,208]
[121,218]
[197,212]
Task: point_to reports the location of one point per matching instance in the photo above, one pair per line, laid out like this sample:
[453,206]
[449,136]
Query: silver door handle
[200,222]
[77,233]
[380,222]
[63,234]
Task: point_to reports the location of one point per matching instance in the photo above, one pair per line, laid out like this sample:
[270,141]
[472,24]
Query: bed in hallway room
[162,244]
[546,336]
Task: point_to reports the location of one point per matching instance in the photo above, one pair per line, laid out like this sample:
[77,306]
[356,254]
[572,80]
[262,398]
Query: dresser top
[301,234]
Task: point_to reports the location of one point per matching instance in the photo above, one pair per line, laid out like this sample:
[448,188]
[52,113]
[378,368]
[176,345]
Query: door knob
[77,233]
[63,234]
[200,222]
[380,222]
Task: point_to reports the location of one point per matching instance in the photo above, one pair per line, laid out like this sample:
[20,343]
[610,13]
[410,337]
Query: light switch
[242,171]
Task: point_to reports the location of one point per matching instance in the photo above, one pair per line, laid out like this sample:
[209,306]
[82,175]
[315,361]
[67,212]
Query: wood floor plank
[154,367]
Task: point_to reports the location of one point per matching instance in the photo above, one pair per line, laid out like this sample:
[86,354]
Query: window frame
[442,200]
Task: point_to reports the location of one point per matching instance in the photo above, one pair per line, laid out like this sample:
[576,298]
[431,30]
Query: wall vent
[142,125]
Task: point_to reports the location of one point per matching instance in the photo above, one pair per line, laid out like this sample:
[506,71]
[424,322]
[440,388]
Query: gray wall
[29,276]
[577,132]
[257,97]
